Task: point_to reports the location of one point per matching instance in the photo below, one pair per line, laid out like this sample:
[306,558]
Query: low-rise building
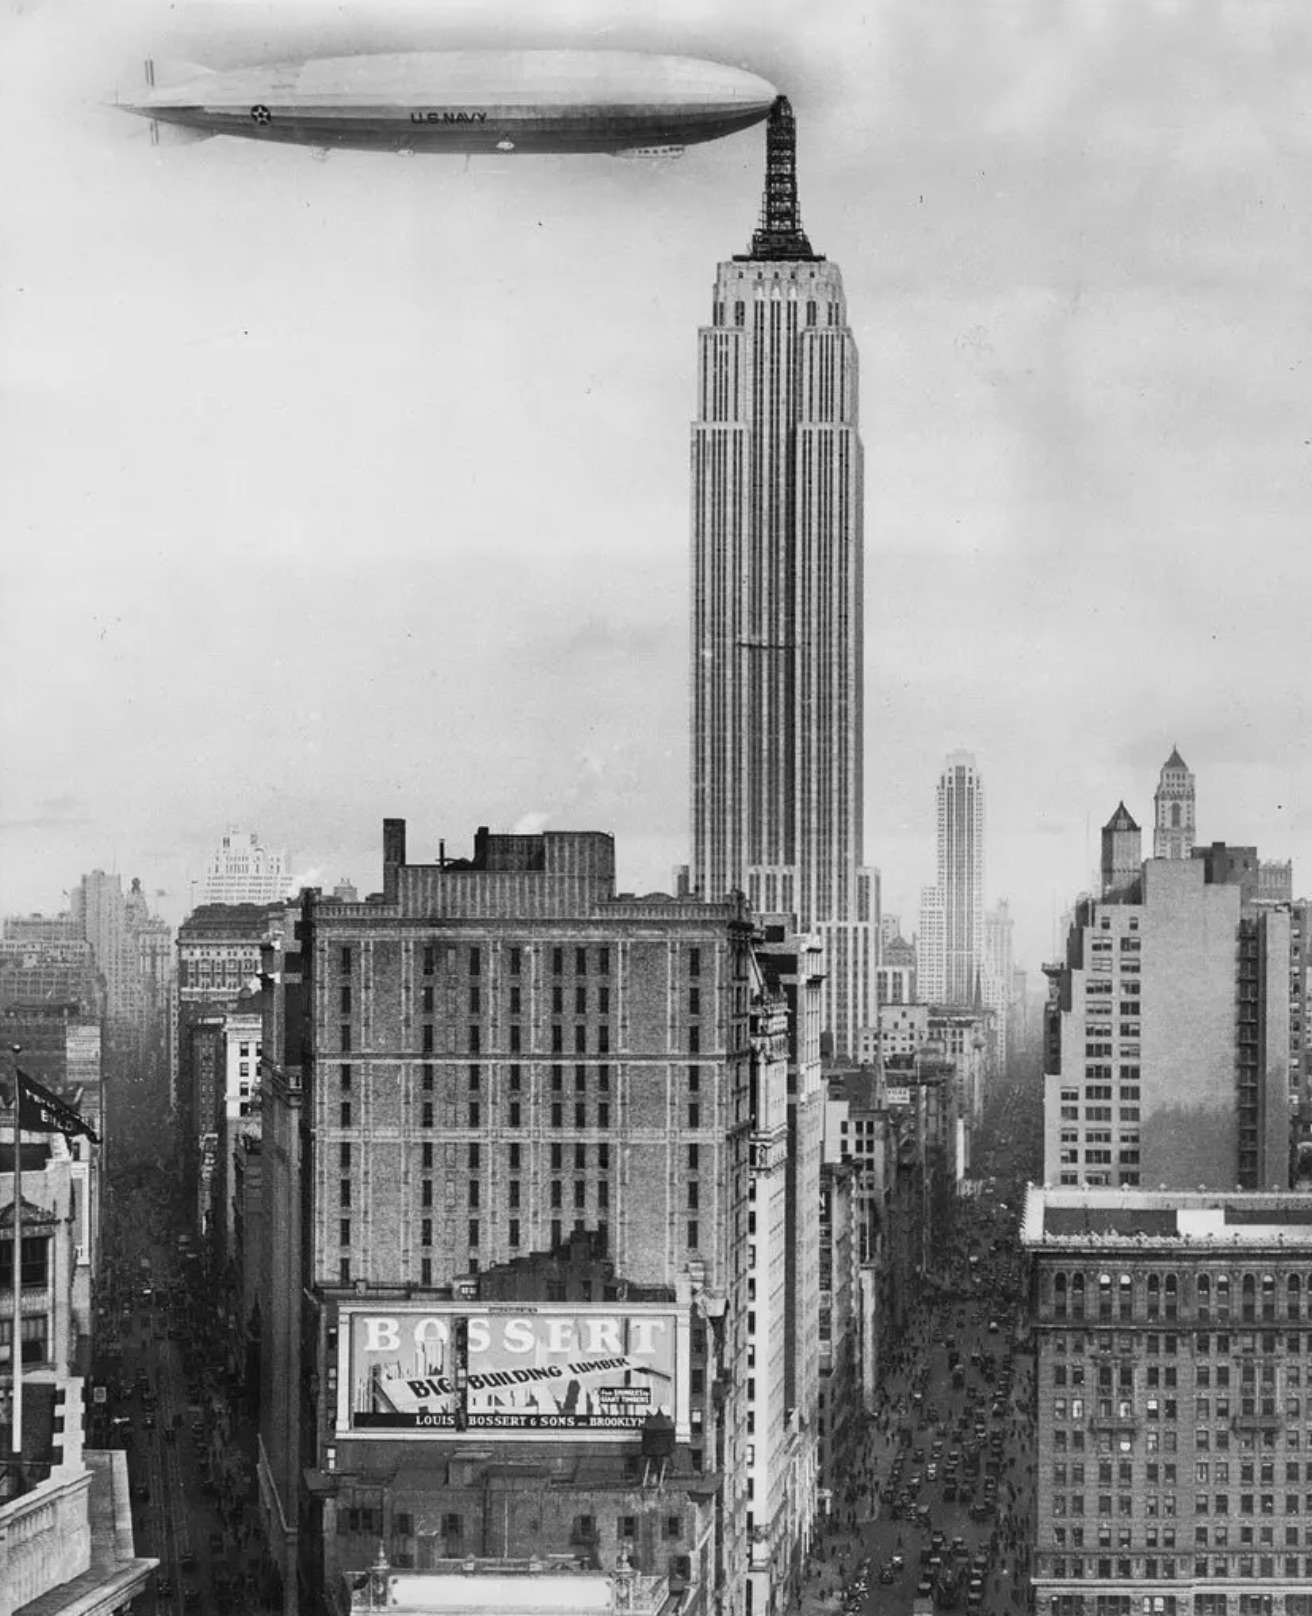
[65,1520]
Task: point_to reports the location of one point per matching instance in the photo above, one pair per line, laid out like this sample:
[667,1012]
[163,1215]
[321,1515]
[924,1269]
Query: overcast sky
[342,489]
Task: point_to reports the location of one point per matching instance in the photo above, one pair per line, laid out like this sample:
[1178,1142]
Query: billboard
[512,1368]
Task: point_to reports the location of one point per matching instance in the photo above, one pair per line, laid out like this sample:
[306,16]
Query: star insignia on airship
[261,115]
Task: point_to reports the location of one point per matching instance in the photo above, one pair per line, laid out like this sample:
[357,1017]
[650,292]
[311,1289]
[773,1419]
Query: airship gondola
[618,102]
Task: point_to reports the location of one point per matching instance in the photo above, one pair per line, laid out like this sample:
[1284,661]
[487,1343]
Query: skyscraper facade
[777,599]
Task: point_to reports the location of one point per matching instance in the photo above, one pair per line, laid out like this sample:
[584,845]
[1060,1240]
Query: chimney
[393,857]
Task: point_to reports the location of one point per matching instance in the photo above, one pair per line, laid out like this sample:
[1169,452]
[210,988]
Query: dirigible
[619,102]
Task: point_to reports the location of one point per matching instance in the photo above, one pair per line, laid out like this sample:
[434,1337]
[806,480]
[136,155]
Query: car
[216,1543]
[191,1597]
[141,1492]
[949,1492]
[886,1574]
[187,1560]
[931,1472]
[982,1510]
[164,1587]
[925,1588]
[148,1421]
[897,1562]
[993,1327]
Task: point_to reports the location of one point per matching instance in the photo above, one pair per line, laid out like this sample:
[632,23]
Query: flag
[44,1112]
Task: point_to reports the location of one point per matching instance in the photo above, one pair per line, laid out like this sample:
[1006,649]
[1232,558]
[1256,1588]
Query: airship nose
[758,90]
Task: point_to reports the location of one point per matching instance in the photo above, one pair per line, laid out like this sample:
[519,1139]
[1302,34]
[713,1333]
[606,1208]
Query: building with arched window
[1173,1388]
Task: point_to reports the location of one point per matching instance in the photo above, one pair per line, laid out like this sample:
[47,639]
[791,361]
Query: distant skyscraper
[931,949]
[1122,853]
[777,599]
[1173,803]
[960,818]
[999,933]
[241,871]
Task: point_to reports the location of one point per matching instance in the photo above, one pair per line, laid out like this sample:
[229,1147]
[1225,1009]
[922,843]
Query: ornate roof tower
[1173,804]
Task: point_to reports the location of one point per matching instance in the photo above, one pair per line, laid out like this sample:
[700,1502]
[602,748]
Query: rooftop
[1101,1218]
[116,1573]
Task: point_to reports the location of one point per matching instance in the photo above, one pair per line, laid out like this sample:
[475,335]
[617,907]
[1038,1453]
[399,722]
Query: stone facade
[1173,1417]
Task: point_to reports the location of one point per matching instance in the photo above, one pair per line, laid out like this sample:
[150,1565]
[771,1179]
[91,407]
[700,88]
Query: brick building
[1173,1412]
[500,1094]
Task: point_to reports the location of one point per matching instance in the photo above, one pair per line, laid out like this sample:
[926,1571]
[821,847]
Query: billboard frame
[349,1310]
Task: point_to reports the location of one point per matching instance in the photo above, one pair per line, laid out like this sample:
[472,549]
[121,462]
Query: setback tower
[777,598]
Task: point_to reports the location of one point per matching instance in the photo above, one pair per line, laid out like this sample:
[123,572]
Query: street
[163,1358]
[941,1503]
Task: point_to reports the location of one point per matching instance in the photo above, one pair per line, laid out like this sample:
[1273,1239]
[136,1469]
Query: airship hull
[473,102]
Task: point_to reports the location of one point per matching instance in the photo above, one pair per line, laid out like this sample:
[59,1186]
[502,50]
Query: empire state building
[777,598]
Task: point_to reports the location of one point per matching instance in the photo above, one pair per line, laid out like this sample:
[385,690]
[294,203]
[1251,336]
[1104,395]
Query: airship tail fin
[162,70]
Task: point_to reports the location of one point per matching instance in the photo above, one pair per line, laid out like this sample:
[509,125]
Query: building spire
[779,234]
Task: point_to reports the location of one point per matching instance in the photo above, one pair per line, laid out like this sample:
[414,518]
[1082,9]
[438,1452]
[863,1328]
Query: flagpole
[16,1327]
